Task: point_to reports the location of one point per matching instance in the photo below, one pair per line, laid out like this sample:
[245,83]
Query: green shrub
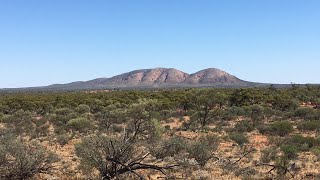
[21,122]
[265,129]
[269,112]
[62,116]
[239,138]
[237,111]
[201,152]
[289,151]
[168,148]
[211,140]
[303,143]
[281,128]
[20,159]
[309,125]
[156,130]
[304,112]
[268,154]
[63,111]
[244,126]
[83,109]
[228,116]
[80,124]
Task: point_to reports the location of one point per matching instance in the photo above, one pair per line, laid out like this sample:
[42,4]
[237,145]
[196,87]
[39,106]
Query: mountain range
[158,78]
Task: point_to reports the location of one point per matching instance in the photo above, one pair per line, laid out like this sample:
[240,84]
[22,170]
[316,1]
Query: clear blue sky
[44,42]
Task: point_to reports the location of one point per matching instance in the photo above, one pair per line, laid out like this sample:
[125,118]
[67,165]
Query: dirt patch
[259,141]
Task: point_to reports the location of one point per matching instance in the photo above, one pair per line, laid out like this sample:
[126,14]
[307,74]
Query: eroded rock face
[151,76]
[160,76]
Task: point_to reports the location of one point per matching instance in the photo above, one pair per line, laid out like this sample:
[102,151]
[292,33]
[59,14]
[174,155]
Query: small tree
[203,103]
[115,156]
[279,162]
[119,154]
[110,115]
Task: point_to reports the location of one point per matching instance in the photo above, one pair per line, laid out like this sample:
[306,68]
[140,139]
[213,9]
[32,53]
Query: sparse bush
[169,148]
[21,122]
[304,112]
[109,116]
[303,143]
[276,140]
[289,151]
[62,116]
[41,131]
[121,152]
[64,138]
[244,126]
[268,154]
[265,129]
[257,112]
[211,140]
[309,125]
[156,130]
[269,112]
[23,160]
[239,138]
[228,117]
[201,152]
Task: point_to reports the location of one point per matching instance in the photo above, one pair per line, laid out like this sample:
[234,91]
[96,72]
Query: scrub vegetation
[254,133]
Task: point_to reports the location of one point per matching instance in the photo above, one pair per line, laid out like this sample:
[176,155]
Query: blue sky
[46,42]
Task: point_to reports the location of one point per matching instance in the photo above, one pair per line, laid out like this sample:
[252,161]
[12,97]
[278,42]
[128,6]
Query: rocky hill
[159,78]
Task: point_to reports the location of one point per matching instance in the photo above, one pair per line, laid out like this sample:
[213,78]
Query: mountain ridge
[159,78]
